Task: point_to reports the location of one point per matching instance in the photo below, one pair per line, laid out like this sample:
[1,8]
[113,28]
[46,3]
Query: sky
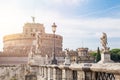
[80,22]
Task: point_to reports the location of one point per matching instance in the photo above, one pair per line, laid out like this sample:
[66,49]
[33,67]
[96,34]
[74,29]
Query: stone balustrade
[83,71]
[12,72]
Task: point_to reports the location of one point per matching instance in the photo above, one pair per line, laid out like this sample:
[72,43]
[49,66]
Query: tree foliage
[98,56]
[93,54]
[115,55]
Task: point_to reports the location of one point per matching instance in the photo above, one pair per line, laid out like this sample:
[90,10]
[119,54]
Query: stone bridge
[82,71]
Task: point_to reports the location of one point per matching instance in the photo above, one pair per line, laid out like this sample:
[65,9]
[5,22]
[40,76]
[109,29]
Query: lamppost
[54,60]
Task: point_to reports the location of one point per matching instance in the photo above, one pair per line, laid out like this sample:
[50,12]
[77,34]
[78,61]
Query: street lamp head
[54,27]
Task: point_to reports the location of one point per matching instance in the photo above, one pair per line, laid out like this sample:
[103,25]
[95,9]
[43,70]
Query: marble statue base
[67,61]
[105,58]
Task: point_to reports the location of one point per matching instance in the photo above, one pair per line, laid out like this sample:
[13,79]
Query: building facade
[84,56]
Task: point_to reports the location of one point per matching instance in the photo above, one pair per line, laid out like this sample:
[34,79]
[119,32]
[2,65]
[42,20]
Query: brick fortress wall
[21,43]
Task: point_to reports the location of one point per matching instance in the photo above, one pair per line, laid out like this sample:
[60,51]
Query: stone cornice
[106,67]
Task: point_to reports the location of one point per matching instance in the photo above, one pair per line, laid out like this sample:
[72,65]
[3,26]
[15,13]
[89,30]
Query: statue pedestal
[67,61]
[105,58]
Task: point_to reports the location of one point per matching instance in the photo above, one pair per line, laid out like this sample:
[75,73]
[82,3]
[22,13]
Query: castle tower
[82,51]
[20,44]
[84,56]
[30,29]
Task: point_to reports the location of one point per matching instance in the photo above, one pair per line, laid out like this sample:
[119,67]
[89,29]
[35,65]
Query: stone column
[46,73]
[40,70]
[50,73]
[93,76]
[69,74]
[88,75]
[80,75]
[55,73]
[64,77]
[59,74]
[45,76]
[87,71]
[117,76]
[65,72]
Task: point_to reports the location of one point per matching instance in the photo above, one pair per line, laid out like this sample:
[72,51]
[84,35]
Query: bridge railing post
[87,71]
[93,76]
[66,72]
[50,73]
[80,75]
[117,76]
[54,72]
[45,72]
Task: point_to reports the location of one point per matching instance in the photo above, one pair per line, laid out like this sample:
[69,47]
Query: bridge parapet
[83,71]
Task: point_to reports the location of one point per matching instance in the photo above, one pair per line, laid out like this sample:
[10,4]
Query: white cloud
[82,28]
[67,2]
[86,26]
[13,18]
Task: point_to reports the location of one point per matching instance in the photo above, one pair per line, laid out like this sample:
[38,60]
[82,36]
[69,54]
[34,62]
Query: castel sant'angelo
[17,46]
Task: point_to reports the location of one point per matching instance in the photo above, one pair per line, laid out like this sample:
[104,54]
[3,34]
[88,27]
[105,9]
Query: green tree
[115,54]
[115,50]
[98,55]
[93,54]
[13,78]
[118,55]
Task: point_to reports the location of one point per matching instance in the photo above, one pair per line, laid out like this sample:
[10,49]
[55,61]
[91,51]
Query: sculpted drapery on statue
[105,53]
[66,52]
[104,42]
[67,57]
[34,49]
[38,42]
